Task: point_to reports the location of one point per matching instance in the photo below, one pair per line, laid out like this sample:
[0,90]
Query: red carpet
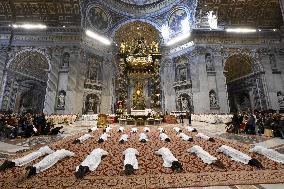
[151,173]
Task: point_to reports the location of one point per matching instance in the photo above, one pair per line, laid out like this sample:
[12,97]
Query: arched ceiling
[237,66]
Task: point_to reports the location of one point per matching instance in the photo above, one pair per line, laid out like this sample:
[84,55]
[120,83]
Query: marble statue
[61,99]
[280,98]
[272,61]
[66,57]
[184,104]
[212,20]
[213,99]
[209,62]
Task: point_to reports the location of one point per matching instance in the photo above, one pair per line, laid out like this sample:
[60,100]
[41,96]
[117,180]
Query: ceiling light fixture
[240,30]
[96,36]
[178,39]
[29,26]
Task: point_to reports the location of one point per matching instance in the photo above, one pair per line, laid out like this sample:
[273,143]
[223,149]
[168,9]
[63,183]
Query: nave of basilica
[141,93]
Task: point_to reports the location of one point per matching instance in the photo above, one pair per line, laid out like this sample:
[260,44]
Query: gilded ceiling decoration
[237,66]
[254,13]
[31,64]
[134,30]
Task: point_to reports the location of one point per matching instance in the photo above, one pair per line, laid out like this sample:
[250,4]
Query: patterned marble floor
[10,147]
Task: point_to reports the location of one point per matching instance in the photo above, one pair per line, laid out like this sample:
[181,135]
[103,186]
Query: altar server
[191,129]
[130,160]
[121,129]
[48,161]
[134,130]
[269,153]
[91,162]
[93,129]
[103,137]
[143,138]
[239,156]
[146,129]
[169,159]
[161,130]
[205,137]
[205,156]
[81,139]
[123,138]
[185,137]
[164,137]
[26,159]
[177,130]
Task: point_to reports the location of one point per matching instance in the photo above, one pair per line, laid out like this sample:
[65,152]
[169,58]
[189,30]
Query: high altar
[138,77]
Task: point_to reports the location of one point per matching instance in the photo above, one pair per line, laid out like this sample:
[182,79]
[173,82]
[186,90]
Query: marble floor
[8,148]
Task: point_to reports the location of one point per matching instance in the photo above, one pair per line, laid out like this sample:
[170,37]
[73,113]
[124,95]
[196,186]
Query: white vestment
[202,154]
[108,129]
[177,129]
[146,129]
[163,136]
[202,136]
[104,136]
[94,159]
[143,136]
[124,137]
[121,129]
[52,159]
[184,136]
[130,157]
[167,156]
[94,129]
[234,154]
[84,137]
[190,129]
[32,156]
[269,153]
[161,129]
[134,130]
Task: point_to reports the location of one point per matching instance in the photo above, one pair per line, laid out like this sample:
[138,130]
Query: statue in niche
[209,62]
[93,73]
[90,104]
[280,98]
[272,61]
[213,99]
[184,103]
[66,57]
[182,74]
[61,99]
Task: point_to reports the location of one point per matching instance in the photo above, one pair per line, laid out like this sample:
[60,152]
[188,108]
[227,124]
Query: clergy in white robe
[143,138]
[123,138]
[169,159]
[185,137]
[269,153]
[91,162]
[107,130]
[191,129]
[82,138]
[205,156]
[134,130]
[121,129]
[164,137]
[93,129]
[205,137]
[177,130]
[26,159]
[161,130]
[130,160]
[49,161]
[146,129]
[239,156]
[103,137]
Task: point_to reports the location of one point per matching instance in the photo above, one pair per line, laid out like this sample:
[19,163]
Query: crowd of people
[28,124]
[261,123]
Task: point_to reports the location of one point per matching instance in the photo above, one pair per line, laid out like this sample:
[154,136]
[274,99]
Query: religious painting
[98,18]
[175,20]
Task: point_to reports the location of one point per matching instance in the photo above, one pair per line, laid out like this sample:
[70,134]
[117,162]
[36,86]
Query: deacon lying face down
[169,159]
[48,161]
[177,130]
[269,153]
[91,162]
[205,137]
[239,156]
[143,138]
[130,160]
[164,137]
[161,130]
[123,138]
[26,159]
[93,129]
[191,129]
[185,137]
[146,129]
[205,156]
[103,137]
[107,130]
[133,130]
[121,129]
[81,139]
